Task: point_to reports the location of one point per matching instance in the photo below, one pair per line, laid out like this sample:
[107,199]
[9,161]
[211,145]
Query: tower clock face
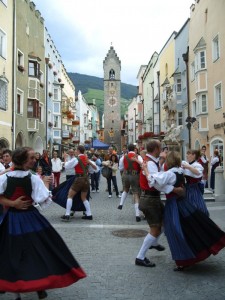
[112,101]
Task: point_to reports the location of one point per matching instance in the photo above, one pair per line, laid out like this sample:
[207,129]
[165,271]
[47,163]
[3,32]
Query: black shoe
[158,247]
[87,218]
[72,214]
[42,294]
[138,219]
[18,298]
[2,292]
[179,269]
[144,262]
[120,207]
[65,218]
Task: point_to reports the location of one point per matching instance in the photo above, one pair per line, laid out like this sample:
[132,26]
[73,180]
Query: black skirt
[33,256]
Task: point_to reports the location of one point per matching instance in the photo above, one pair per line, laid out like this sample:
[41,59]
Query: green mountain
[92,88]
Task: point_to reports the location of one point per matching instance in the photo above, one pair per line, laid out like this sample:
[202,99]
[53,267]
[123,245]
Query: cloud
[83,31]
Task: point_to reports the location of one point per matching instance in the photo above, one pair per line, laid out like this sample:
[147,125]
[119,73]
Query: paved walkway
[109,260]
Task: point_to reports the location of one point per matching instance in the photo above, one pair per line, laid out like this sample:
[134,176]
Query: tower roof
[112,54]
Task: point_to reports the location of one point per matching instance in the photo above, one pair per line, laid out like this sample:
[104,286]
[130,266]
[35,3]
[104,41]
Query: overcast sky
[83,30]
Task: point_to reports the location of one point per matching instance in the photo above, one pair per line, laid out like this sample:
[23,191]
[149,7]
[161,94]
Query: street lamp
[190,121]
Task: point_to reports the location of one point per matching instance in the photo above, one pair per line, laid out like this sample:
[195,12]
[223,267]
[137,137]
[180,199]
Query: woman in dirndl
[193,172]
[30,260]
[192,236]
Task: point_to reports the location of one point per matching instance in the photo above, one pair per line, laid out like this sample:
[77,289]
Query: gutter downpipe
[14,77]
[185,58]
[158,78]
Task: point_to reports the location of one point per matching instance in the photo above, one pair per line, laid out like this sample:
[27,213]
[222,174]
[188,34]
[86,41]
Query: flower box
[76,122]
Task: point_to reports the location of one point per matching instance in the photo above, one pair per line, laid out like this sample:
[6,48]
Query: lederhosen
[131,176]
[150,203]
[81,181]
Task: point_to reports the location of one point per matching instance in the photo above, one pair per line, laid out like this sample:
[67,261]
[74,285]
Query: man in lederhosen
[130,178]
[81,183]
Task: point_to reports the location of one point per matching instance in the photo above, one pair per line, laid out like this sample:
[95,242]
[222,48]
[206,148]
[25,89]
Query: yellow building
[207,74]
[6,76]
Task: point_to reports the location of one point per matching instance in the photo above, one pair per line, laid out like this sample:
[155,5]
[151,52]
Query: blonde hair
[173,159]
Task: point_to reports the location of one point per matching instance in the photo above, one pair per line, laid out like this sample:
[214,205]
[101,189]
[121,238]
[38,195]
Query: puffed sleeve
[40,194]
[3,183]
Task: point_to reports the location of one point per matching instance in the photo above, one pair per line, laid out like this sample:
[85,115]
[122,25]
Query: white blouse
[164,181]
[195,165]
[40,194]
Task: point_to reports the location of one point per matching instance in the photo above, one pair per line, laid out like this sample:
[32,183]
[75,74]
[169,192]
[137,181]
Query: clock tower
[112,87]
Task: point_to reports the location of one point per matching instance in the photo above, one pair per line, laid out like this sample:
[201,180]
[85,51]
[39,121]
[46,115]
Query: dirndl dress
[194,194]
[192,236]
[33,256]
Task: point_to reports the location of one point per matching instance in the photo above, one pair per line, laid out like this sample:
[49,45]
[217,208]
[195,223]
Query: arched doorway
[217,143]
[38,145]
[20,141]
[4,144]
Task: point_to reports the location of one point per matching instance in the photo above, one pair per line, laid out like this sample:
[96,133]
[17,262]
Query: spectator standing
[56,168]
[70,172]
[215,162]
[112,163]
[203,160]
[45,162]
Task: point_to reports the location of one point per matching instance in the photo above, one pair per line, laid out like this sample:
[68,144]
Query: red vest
[143,180]
[78,168]
[135,165]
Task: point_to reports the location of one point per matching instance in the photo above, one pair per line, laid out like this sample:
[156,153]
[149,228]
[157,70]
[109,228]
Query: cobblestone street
[109,260]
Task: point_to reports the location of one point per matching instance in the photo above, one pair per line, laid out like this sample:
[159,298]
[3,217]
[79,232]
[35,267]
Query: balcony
[32,125]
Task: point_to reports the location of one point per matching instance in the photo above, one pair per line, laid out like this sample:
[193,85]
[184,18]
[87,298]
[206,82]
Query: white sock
[123,198]
[148,241]
[88,208]
[137,211]
[69,204]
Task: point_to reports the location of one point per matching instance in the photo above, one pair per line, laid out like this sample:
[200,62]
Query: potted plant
[59,79]
[50,124]
[54,73]
[50,94]
[41,84]
[50,65]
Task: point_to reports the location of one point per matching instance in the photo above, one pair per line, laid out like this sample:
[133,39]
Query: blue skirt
[192,236]
[60,196]
[33,255]
[195,197]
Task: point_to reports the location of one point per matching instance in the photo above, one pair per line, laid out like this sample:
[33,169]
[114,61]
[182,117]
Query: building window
[3,93]
[41,112]
[194,111]
[57,121]
[56,94]
[202,105]
[2,44]
[56,134]
[215,48]
[56,108]
[20,59]
[34,69]
[178,85]
[180,118]
[156,107]
[19,102]
[218,96]
[200,60]
[33,109]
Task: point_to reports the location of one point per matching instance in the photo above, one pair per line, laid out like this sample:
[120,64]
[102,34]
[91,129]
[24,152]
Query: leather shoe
[42,294]
[120,207]
[158,247]
[87,218]
[144,262]
[138,219]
